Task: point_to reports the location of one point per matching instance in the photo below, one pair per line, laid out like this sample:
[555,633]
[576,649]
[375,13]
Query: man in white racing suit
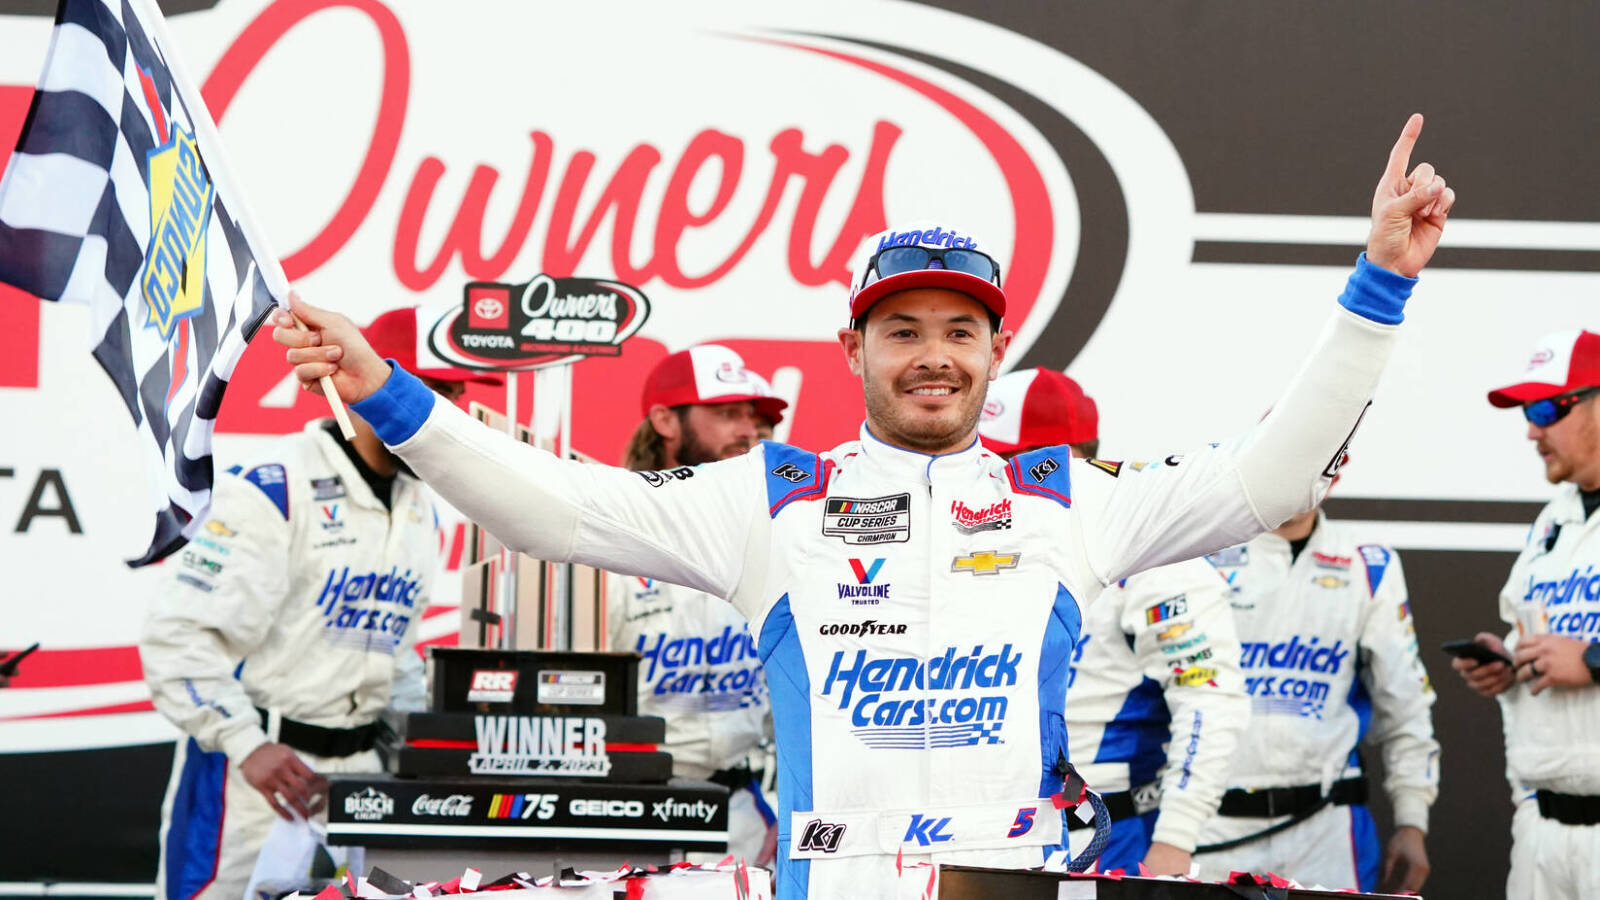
[285,627]
[1155,700]
[1330,658]
[1551,603]
[699,669]
[915,598]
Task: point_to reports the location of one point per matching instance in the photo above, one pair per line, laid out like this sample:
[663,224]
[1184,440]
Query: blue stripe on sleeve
[397,410]
[1376,293]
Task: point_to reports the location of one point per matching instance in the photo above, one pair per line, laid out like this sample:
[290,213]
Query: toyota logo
[489,308]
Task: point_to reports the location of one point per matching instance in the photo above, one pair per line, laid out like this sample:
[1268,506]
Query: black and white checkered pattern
[75,223]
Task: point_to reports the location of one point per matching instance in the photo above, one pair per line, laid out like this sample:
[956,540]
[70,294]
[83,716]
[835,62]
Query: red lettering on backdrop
[19,310]
[253,43]
[622,199]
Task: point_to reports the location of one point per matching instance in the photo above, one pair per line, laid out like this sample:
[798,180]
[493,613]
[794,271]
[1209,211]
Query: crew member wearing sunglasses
[1548,697]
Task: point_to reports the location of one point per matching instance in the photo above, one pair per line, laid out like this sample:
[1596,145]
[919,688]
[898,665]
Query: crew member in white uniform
[913,596]
[699,668]
[1330,657]
[1155,700]
[1551,603]
[283,630]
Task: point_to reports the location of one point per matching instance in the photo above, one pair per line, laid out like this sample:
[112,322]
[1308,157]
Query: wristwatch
[1591,658]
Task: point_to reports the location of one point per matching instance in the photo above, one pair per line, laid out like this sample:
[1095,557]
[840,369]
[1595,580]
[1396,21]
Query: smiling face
[925,358]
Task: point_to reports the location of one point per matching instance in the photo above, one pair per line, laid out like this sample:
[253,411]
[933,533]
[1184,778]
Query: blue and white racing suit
[915,615]
[301,596]
[699,671]
[1330,655]
[1155,705]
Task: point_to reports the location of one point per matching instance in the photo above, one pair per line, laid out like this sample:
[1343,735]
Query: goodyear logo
[180,205]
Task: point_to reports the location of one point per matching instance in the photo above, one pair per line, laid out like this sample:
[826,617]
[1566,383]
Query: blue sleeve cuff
[1376,293]
[397,410]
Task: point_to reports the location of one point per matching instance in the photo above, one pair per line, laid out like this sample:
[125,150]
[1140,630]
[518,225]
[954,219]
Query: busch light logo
[371,805]
[894,702]
[716,673]
[540,745]
[457,805]
[544,322]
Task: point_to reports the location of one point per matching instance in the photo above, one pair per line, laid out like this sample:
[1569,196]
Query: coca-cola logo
[454,805]
[544,322]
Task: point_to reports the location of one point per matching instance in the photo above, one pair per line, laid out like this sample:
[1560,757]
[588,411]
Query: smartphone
[9,667]
[1474,651]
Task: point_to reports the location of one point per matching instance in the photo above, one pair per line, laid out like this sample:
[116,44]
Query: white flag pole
[217,165]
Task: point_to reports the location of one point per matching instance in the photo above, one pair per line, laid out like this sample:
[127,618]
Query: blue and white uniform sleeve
[1402,698]
[216,603]
[1193,503]
[1185,640]
[693,527]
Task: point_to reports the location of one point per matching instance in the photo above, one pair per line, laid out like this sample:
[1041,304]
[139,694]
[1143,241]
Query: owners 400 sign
[545,322]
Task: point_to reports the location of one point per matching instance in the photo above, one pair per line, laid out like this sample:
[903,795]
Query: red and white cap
[394,336]
[868,288]
[1036,408]
[1563,361]
[708,373]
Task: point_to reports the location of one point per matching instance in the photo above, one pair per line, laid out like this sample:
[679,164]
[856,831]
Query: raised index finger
[1400,156]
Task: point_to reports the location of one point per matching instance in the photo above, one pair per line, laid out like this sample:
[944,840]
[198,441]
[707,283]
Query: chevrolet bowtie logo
[985,562]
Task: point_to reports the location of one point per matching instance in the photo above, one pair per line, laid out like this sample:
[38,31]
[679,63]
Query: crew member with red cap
[699,669]
[1549,700]
[1155,698]
[914,597]
[285,627]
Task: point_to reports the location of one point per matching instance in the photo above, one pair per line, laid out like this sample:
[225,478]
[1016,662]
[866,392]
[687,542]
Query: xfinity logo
[371,805]
[453,805]
[669,809]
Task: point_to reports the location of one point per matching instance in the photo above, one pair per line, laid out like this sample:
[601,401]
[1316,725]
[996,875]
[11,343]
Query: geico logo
[1292,654]
[625,809]
[729,646]
[390,587]
[862,629]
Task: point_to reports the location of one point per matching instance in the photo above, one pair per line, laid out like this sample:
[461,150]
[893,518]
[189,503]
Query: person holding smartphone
[1551,601]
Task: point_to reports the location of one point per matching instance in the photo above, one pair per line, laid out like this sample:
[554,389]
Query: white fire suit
[699,671]
[300,596]
[915,615]
[1155,704]
[1329,653]
[1554,585]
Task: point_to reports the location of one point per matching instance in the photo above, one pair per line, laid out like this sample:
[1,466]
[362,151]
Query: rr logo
[927,831]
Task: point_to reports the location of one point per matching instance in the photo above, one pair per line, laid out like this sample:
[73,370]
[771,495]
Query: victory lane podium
[527,758]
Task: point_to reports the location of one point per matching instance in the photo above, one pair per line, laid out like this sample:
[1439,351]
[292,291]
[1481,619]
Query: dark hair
[1090,448]
[859,323]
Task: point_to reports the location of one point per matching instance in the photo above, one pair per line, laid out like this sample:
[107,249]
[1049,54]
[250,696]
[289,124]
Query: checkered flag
[118,196]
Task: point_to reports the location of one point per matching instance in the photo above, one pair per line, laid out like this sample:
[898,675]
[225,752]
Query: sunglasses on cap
[1551,410]
[896,260]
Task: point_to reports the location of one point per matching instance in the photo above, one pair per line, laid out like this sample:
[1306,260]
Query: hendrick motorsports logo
[544,322]
[955,699]
[540,745]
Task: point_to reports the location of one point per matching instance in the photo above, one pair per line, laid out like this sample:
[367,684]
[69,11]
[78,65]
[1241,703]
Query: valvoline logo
[865,573]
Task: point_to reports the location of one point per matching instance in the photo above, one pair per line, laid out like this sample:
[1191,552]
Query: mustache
[958,381]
